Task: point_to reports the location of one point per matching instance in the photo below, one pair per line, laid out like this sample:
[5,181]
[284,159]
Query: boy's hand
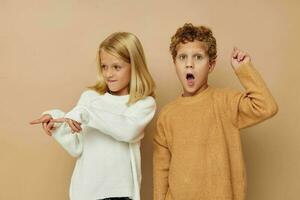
[74,125]
[45,120]
[238,58]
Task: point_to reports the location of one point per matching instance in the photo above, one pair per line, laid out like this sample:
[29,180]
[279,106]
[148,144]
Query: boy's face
[192,66]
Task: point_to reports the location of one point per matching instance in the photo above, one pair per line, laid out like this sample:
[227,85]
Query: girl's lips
[111,81]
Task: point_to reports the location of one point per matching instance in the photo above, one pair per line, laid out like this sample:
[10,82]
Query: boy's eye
[182,57]
[198,57]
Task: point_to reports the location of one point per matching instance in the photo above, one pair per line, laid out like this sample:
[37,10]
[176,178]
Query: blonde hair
[127,47]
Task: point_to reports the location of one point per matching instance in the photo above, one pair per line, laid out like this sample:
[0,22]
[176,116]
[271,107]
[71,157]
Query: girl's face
[192,67]
[116,73]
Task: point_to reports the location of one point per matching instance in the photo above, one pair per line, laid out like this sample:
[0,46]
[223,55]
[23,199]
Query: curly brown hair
[189,33]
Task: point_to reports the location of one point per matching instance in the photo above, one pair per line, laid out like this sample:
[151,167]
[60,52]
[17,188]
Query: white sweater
[108,148]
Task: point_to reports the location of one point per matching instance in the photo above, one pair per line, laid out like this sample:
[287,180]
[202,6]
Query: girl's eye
[117,67]
[104,67]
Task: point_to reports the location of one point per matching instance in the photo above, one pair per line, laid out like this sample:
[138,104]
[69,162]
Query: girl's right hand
[74,125]
[45,120]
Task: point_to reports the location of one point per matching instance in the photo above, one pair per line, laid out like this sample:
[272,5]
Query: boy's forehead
[195,46]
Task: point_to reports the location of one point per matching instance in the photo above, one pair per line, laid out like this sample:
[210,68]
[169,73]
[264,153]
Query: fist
[238,58]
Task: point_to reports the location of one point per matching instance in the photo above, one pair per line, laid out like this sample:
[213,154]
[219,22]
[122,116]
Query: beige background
[48,55]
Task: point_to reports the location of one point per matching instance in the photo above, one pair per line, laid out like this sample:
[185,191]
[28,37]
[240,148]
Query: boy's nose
[189,64]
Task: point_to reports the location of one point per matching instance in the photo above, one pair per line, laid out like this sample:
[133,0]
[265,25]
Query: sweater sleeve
[125,126]
[161,162]
[256,103]
[71,142]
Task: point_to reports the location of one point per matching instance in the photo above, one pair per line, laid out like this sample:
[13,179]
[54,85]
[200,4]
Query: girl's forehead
[109,57]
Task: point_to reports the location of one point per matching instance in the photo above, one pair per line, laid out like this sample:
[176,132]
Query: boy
[197,147]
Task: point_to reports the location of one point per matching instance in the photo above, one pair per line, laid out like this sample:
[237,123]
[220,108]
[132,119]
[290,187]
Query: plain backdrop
[48,56]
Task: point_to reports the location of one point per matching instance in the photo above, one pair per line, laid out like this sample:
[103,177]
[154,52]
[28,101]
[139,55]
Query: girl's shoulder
[89,95]
[145,104]
[149,100]
[90,92]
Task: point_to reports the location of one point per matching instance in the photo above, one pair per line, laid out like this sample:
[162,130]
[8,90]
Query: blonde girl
[103,131]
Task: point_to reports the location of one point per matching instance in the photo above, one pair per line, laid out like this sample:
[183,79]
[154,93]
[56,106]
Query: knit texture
[108,148]
[197,146]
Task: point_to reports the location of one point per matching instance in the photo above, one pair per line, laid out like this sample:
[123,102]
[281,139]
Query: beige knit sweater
[197,146]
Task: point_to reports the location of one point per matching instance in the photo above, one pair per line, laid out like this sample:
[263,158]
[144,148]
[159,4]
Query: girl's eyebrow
[113,63]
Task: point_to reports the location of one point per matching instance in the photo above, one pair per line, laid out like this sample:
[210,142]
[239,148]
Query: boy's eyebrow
[193,53]
[200,53]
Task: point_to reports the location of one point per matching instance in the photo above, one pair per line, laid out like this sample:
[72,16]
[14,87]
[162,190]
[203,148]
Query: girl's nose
[109,72]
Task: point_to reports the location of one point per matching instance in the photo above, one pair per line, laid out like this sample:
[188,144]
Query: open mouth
[190,79]
[190,76]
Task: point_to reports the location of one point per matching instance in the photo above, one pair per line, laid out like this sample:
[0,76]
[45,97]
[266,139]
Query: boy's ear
[211,65]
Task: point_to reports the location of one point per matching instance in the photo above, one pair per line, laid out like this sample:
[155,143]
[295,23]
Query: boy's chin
[190,91]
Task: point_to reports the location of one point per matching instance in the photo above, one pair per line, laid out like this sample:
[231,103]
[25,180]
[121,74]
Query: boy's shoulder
[220,91]
[225,96]
[168,108]
[217,94]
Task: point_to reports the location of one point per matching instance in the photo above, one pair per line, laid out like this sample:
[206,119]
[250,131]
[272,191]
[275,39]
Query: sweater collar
[196,97]
[121,99]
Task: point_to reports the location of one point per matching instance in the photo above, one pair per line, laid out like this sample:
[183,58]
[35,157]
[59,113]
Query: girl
[103,131]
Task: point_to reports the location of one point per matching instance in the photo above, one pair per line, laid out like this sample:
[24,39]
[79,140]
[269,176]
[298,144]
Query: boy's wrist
[241,65]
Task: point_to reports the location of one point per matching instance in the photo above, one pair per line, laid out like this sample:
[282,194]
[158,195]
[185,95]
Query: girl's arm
[127,126]
[63,134]
[71,142]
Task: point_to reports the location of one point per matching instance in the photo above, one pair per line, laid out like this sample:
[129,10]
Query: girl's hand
[238,58]
[74,125]
[45,120]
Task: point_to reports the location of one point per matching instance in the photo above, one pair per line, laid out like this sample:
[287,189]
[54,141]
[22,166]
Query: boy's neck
[201,89]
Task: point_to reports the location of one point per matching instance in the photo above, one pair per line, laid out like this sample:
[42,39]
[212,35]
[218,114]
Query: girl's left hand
[45,120]
[74,125]
[238,58]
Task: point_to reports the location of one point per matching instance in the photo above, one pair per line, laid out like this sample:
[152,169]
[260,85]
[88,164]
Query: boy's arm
[256,103]
[161,163]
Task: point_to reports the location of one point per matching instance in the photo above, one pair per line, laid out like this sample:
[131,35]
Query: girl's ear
[211,66]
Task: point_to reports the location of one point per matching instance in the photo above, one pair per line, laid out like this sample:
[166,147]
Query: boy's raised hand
[238,58]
